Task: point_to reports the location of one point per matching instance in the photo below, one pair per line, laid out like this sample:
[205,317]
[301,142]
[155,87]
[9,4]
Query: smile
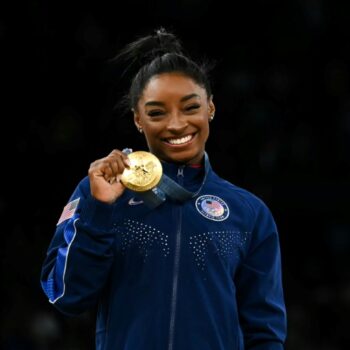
[180,140]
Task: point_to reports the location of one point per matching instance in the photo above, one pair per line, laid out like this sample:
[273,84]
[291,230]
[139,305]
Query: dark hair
[157,53]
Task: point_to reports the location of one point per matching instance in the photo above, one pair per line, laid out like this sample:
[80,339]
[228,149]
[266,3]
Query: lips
[179,141]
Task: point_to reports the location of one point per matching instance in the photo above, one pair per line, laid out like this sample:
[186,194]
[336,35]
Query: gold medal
[144,173]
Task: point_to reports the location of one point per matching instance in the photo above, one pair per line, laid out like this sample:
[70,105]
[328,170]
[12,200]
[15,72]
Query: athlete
[195,267]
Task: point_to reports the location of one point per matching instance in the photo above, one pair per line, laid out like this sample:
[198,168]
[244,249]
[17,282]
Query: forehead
[171,85]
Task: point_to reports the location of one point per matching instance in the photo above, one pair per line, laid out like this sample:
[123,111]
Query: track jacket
[204,274]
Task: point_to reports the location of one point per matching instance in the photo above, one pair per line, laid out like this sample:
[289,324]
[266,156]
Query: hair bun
[167,43]
[147,48]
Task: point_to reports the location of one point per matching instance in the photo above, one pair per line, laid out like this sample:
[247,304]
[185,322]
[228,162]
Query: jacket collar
[191,178]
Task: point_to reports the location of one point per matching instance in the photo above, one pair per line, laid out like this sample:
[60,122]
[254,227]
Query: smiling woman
[198,268]
[174,112]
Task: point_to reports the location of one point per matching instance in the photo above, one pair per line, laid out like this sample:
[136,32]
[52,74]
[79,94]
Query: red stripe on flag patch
[68,211]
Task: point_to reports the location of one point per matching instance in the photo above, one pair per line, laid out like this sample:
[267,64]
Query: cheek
[151,135]
[205,131]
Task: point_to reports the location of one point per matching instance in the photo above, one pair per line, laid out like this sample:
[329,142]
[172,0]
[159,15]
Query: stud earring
[212,117]
[140,130]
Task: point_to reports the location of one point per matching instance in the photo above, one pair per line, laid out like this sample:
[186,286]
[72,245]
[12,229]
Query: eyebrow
[183,99]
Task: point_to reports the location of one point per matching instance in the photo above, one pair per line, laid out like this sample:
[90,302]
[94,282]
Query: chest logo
[212,207]
[133,201]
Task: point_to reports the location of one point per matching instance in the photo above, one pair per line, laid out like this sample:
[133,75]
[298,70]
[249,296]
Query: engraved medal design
[144,173]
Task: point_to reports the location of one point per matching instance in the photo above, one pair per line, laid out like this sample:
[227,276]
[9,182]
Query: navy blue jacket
[204,274]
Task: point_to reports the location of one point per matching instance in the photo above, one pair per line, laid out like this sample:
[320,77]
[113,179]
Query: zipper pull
[180,171]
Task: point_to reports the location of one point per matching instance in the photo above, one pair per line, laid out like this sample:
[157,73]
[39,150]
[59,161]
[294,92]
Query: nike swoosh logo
[132,201]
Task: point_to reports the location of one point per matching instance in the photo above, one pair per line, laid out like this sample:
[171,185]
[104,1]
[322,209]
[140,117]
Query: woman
[196,267]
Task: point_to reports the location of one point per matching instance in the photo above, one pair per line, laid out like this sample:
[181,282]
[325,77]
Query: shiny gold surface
[144,173]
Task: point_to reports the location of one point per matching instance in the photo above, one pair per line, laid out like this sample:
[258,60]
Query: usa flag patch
[68,210]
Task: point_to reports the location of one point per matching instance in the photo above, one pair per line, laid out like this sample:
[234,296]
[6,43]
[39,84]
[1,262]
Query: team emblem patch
[212,207]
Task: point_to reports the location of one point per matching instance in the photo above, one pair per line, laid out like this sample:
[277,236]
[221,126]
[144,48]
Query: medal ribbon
[167,187]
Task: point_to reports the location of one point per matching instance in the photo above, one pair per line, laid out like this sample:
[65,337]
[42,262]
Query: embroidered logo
[212,207]
[133,201]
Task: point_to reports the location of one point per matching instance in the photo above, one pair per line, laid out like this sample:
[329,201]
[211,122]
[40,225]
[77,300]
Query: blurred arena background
[282,131]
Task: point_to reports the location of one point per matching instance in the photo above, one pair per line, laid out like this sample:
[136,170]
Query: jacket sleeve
[80,255]
[259,286]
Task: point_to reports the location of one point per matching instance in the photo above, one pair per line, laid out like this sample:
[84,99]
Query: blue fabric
[203,274]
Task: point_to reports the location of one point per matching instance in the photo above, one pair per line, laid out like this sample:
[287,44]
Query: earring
[140,130]
[212,117]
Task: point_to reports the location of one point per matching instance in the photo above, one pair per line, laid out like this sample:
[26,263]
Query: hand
[104,175]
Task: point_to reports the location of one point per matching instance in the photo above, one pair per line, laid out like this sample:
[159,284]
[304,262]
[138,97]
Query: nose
[177,123]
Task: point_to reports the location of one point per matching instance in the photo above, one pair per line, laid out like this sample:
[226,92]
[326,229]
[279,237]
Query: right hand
[104,176]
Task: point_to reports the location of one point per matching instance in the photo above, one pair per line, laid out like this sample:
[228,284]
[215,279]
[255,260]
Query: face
[174,113]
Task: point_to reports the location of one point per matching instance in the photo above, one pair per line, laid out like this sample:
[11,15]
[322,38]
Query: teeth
[180,141]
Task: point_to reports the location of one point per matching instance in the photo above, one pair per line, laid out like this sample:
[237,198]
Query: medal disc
[144,173]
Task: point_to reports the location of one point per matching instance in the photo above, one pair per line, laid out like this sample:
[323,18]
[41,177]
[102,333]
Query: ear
[137,119]
[211,107]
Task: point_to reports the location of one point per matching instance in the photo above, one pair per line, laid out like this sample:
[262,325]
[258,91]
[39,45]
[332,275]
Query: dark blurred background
[282,131]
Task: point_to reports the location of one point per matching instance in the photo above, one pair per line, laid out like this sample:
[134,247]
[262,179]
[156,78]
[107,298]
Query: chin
[183,158]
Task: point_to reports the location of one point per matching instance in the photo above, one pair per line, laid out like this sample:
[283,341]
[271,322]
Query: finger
[107,171]
[112,180]
[123,156]
[127,161]
[120,164]
[116,164]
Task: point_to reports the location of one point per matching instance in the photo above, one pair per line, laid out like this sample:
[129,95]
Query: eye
[192,107]
[155,113]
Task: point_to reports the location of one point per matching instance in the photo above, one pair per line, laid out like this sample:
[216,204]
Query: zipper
[180,176]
